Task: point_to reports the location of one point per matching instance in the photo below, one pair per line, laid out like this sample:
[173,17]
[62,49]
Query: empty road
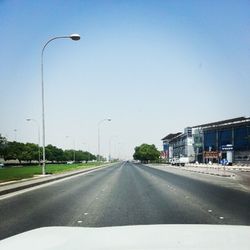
[124,194]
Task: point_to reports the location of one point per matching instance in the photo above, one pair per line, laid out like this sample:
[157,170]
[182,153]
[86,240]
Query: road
[124,194]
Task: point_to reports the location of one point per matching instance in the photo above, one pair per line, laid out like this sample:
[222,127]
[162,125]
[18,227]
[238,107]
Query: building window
[210,140]
[225,137]
[241,139]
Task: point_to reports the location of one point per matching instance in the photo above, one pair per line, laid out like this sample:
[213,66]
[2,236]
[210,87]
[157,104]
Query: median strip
[32,182]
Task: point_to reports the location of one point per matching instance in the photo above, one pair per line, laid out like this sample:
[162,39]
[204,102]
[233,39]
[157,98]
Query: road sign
[211,154]
[227,147]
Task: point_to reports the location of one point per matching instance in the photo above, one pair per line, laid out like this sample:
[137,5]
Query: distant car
[1,165]
[70,162]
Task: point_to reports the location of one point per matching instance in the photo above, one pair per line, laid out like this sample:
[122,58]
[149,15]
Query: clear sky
[153,67]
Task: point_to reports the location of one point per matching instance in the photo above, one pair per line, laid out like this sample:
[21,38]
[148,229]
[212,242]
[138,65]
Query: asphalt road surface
[124,194]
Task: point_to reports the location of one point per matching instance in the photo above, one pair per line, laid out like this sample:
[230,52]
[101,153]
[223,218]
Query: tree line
[28,152]
[146,153]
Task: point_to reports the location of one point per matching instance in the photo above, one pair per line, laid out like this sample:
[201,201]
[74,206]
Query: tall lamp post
[74,37]
[38,134]
[99,124]
[119,150]
[110,140]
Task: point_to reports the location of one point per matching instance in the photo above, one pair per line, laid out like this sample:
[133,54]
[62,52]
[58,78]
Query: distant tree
[79,155]
[146,153]
[59,155]
[91,157]
[68,155]
[84,156]
[3,144]
[14,150]
[88,156]
[53,153]
[29,152]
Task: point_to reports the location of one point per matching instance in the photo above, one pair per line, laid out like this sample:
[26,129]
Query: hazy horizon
[153,67]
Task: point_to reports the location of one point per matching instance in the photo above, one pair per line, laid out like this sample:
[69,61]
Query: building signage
[228,147]
[164,154]
[211,154]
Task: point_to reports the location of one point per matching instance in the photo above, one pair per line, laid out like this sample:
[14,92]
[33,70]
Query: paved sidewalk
[220,167]
[14,186]
[213,169]
[217,169]
[209,169]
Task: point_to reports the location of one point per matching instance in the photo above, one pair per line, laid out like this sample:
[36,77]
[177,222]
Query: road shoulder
[234,179]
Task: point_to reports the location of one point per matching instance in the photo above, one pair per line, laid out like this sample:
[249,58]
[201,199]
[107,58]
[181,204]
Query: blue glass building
[213,142]
[228,135]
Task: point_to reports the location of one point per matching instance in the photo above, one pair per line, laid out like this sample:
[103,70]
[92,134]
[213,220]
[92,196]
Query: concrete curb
[13,187]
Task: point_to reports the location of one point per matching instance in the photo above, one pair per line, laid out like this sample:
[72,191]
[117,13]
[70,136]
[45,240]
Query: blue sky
[154,67]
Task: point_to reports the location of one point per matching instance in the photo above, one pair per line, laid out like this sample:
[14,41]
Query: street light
[110,140]
[99,123]
[38,133]
[119,150]
[74,37]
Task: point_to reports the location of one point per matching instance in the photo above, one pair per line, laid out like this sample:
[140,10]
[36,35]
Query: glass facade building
[236,133]
[227,139]
[238,137]
[242,138]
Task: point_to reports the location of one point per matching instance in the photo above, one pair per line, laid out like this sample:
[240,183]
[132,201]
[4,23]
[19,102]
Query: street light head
[75,37]
[28,119]
[109,120]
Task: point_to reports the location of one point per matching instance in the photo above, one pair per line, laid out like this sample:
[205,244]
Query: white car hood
[133,237]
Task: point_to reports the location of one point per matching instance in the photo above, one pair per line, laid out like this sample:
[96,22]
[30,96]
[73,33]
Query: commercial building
[227,140]
[167,147]
[179,145]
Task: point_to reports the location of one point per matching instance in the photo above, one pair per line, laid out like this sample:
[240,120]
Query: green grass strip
[18,173]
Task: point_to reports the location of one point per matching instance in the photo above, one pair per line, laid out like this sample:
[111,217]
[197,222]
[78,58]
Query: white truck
[179,161]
